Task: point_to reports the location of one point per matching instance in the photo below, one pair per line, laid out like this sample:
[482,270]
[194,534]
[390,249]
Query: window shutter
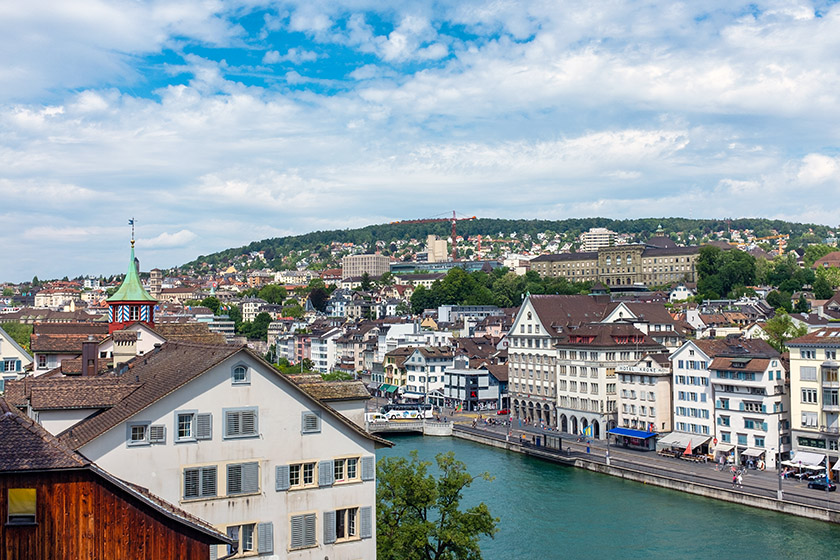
[297,531]
[309,530]
[214,552]
[310,423]
[233,534]
[329,527]
[249,422]
[250,478]
[365,522]
[368,467]
[17,365]
[204,426]
[208,481]
[326,474]
[157,433]
[265,537]
[281,477]
[191,483]
[233,425]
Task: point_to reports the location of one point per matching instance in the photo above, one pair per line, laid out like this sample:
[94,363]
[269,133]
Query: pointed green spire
[131,288]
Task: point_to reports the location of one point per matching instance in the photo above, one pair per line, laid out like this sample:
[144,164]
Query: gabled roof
[608,335]
[131,288]
[559,311]
[68,392]
[163,371]
[735,346]
[26,446]
[754,365]
[826,337]
[189,332]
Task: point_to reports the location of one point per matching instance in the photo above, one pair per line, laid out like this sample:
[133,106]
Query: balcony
[829,430]
[831,407]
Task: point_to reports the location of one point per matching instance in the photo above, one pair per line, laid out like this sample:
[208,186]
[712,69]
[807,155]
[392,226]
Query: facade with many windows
[658,262]
[644,394]
[219,432]
[815,393]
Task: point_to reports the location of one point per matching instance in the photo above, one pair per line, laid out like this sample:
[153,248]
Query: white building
[596,238]
[13,359]
[693,399]
[424,370]
[436,249]
[222,434]
[644,394]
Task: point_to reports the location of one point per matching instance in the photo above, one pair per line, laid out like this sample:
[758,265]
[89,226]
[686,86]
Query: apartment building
[814,400]
[644,394]
[374,265]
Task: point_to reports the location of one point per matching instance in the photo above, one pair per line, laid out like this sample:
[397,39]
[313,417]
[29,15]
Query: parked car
[821,484]
[503,411]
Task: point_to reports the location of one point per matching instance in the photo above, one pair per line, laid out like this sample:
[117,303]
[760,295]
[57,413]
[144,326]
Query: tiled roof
[336,390]
[68,392]
[26,446]
[559,257]
[189,332]
[607,335]
[81,327]
[754,365]
[827,337]
[60,343]
[735,346]
[158,374]
[559,311]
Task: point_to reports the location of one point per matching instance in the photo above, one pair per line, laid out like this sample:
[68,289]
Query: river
[551,511]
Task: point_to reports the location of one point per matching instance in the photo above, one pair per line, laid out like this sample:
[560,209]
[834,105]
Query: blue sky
[218,123]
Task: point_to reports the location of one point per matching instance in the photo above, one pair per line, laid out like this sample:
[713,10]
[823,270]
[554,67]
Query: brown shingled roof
[26,446]
[60,343]
[754,365]
[558,311]
[189,332]
[336,390]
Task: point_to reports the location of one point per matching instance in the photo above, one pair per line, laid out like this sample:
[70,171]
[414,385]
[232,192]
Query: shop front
[633,439]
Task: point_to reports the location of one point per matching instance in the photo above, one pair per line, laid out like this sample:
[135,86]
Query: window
[143,433]
[241,422]
[185,426]
[809,419]
[243,478]
[759,441]
[809,395]
[310,423]
[347,524]
[297,475]
[302,532]
[22,506]
[808,354]
[346,470]
[240,374]
[244,535]
[200,482]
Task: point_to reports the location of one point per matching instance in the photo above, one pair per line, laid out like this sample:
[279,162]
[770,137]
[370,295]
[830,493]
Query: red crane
[453,219]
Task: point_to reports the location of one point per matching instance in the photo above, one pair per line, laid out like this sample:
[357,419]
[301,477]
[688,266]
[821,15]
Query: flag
[688,449]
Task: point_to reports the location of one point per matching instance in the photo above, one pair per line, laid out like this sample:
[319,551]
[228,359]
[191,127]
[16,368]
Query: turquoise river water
[551,511]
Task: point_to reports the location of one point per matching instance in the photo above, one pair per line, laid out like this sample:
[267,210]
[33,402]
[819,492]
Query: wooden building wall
[82,516]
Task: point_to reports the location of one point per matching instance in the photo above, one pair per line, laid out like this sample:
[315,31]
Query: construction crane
[453,219]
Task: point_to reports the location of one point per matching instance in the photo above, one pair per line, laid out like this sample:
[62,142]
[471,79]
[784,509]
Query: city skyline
[219,124]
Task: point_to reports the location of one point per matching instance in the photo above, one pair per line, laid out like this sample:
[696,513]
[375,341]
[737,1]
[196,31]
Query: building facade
[374,265]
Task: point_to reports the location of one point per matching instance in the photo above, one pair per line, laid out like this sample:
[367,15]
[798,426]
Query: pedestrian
[740,480]
[734,480]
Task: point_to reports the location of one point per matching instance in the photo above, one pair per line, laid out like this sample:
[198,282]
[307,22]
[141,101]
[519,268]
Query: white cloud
[293,55]
[169,240]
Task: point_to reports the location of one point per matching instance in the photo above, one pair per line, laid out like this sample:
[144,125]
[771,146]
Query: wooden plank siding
[81,516]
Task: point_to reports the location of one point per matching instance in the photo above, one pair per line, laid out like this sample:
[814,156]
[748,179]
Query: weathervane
[131,223]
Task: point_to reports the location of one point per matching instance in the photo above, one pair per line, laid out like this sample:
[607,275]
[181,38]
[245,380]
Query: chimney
[90,356]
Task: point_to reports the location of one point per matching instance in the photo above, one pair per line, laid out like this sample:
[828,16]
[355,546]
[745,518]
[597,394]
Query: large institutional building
[660,261]
[375,265]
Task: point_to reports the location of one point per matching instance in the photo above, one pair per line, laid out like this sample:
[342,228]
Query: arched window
[240,374]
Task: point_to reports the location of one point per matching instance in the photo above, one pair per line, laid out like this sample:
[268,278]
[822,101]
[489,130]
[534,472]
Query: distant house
[831,260]
[56,504]
[13,359]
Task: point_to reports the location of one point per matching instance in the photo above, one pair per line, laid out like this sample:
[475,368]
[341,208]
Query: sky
[214,124]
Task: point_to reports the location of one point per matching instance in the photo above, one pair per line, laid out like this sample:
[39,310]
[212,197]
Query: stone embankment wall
[628,473]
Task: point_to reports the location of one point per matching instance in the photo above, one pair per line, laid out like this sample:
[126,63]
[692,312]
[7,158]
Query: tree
[419,517]
[319,297]
[20,333]
[8,292]
[273,293]
[801,305]
[366,284]
[211,303]
[822,289]
[259,328]
[779,300]
[781,328]
[402,309]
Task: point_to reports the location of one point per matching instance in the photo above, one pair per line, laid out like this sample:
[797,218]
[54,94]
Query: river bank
[697,479]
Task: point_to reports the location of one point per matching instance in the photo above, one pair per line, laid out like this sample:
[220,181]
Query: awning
[677,439]
[753,452]
[413,395]
[640,434]
[724,447]
[387,388]
[805,459]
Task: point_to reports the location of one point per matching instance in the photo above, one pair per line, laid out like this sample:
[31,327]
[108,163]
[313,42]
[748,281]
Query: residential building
[814,400]
[475,389]
[751,405]
[596,238]
[424,370]
[13,359]
[218,425]
[374,265]
[51,343]
[251,308]
[58,504]
[644,394]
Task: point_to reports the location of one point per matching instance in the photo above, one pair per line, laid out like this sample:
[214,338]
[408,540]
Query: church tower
[131,303]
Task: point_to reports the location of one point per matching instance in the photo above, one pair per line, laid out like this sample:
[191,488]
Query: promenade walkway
[755,482]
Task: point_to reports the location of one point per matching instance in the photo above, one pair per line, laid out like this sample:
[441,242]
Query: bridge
[425,427]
